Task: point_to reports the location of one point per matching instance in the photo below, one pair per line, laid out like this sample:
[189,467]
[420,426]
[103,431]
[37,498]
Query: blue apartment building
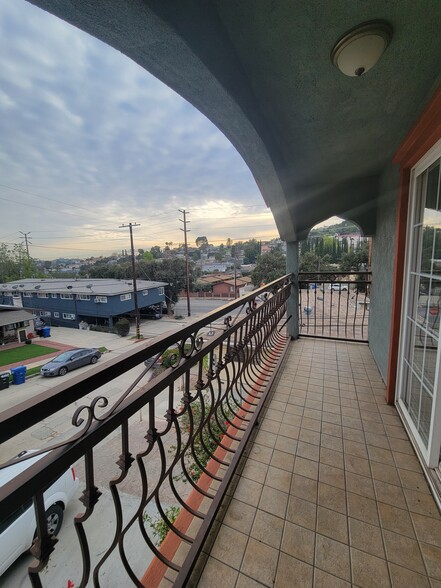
[69,302]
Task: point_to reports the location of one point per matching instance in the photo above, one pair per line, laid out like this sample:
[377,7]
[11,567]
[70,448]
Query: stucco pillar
[292,267]
[110,321]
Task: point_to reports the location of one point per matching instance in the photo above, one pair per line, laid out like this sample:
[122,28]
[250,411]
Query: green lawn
[8,356]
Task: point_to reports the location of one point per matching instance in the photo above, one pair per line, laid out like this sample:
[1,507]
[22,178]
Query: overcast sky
[89,140]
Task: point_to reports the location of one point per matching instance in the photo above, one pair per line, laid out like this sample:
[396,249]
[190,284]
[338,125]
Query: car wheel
[94,359]
[54,518]
[62,371]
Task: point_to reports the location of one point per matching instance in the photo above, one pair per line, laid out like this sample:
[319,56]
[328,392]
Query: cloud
[87,128]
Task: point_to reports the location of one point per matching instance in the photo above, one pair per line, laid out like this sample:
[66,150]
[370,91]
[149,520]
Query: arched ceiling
[315,140]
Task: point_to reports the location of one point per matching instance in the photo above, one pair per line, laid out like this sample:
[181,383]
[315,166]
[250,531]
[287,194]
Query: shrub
[103,329]
[159,526]
[123,327]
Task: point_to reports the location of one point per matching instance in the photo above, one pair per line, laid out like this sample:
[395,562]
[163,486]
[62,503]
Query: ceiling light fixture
[358,50]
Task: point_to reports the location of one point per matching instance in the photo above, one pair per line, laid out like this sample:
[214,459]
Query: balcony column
[292,267]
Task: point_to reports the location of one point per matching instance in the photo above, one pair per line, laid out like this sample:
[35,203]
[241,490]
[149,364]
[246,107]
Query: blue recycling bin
[46,331]
[18,374]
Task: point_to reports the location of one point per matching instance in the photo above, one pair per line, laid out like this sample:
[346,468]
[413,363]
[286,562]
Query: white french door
[419,395]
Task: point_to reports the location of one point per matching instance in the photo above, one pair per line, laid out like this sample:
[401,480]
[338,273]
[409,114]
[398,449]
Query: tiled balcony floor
[332,494]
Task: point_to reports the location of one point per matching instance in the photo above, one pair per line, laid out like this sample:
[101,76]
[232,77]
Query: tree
[269,267]
[155,251]
[201,242]
[251,249]
[15,263]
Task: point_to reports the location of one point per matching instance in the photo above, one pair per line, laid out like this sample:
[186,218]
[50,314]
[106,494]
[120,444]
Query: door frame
[431,454]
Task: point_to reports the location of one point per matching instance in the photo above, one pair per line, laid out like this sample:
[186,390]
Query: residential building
[341,484]
[15,324]
[68,302]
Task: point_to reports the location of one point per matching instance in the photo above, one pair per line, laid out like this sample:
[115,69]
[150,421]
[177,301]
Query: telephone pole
[25,236]
[135,290]
[187,273]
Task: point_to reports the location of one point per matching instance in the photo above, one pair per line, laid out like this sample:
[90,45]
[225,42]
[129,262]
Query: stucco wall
[382,263]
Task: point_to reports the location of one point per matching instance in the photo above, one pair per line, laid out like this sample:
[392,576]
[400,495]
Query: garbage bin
[18,374]
[46,331]
[4,381]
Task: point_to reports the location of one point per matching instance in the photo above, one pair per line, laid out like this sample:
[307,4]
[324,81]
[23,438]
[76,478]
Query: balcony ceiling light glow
[361,48]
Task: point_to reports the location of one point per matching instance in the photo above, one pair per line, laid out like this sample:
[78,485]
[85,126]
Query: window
[56,315]
[68,315]
[43,295]
[145,292]
[83,297]
[54,295]
[45,313]
[125,297]
[100,298]
[161,291]
[66,296]
[27,294]
[16,295]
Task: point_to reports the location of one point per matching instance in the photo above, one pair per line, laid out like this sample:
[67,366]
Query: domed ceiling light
[358,50]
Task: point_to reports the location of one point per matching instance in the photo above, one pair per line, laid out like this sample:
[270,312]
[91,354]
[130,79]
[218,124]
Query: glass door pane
[420,348]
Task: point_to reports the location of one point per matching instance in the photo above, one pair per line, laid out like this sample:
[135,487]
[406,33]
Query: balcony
[277,462]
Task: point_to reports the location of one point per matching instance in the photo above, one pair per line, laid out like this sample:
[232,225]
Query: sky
[90,141]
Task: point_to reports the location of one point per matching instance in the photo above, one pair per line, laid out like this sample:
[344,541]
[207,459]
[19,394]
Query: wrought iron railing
[334,305]
[176,464]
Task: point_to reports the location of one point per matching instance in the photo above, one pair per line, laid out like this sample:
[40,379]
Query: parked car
[338,286]
[17,529]
[70,360]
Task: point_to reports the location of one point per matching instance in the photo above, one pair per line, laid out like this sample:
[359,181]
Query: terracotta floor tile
[368,570]
[385,473]
[413,481]
[396,519]
[421,503]
[273,501]
[357,465]
[260,562]
[324,580]
[363,509]
[332,524]
[332,476]
[255,470]
[427,529]
[308,450]
[432,557]
[246,582]
[308,436]
[403,551]
[293,573]
[389,494]
[261,453]
[360,485]
[366,537]
[298,542]
[278,479]
[306,467]
[217,575]
[240,516]
[303,487]
[248,491]
[332,557]
[402,577]
[356,435]
[282,460]
[301,512]
[331,457]
[332,497]
[355,448]
[229,546]
[267,528]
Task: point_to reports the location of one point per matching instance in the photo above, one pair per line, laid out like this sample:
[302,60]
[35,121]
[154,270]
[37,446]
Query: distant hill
[343,228]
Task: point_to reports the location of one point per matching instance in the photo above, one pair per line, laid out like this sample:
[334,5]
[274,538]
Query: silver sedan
[70,360]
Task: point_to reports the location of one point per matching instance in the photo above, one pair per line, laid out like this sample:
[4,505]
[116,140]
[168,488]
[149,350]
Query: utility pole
[25,236]
[235,271]
[187,273]
[135,290]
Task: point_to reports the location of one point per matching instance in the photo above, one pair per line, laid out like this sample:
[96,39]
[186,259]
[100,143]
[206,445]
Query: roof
[9,315]
[239,282]
[102,287]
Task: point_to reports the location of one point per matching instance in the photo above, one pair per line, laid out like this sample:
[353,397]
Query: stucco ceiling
[315,140]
